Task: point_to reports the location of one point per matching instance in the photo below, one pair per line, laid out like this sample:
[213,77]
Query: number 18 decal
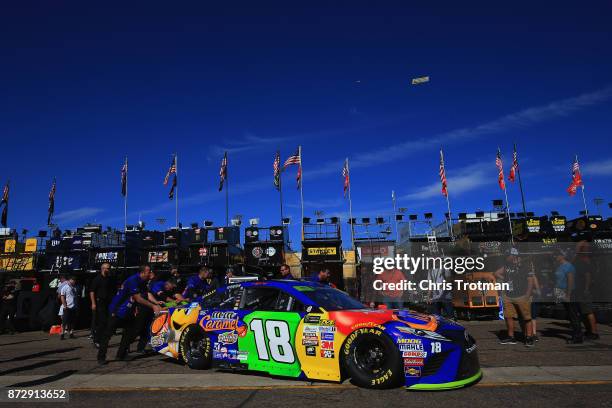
[436,347]
[278,340]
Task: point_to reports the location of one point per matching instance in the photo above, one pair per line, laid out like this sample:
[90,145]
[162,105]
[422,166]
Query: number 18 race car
[304,330]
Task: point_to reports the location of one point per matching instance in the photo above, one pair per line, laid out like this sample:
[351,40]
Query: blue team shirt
[157,286]
[122,303]
[561,275]
[196,287]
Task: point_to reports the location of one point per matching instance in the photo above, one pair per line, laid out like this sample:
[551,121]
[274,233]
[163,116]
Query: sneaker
[508,340]
[529,342]
[591,336]
[536,338]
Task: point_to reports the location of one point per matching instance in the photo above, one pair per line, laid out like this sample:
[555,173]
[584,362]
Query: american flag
[576,178]
[5,198]
[51,202]
[5,194]
[443,175]
[277,169]
[345,174]
[500,168]
[223,171]
[296,159]
[171,170]
[124,173]
[514,168]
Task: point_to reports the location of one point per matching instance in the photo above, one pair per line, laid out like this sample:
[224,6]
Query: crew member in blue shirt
[200,284]
[285,272]
[132,291]
[323,277]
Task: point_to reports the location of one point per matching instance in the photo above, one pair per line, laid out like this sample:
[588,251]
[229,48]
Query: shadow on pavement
[42,354]
[36,365]
[45,380]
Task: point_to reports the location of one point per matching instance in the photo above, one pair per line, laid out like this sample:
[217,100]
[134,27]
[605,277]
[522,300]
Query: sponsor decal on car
[412,371]
[327,345]
[413,362]
[411,347]
[311,329]
[157,341]
[220,321]
[243,355]
[327,336]
[409,341]
[414,354]
[327,329]
[313,319]
[228,338]
[311,351]
[470,349]
[327,353]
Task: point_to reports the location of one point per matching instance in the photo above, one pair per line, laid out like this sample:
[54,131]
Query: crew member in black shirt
[101,291]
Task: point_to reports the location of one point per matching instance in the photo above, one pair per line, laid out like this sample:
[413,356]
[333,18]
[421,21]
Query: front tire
[196,348]
[372,360]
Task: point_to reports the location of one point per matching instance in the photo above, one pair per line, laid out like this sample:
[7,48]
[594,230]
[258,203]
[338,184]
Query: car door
[269,342]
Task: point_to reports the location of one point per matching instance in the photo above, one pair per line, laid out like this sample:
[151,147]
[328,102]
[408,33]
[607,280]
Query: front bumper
[447,386]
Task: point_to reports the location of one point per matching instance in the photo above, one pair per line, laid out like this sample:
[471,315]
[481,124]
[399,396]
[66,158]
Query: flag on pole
[514,168]
[171,170]
[5,200]
[297,160]
[576,179]
[172,188]
[51,203]
[443,175]
[345,174]
[223,171]
[500,168]
[277,170]
[124,175]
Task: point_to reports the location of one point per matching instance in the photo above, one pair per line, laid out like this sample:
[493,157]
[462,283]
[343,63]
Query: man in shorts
[517,300]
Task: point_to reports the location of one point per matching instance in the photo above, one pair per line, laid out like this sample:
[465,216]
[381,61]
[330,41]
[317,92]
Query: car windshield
[333,299]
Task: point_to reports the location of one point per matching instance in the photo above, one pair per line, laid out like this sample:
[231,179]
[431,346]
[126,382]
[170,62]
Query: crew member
[101,292]
[164,291]
[180,280]
[323,278]
[133,290]
[200,284]
[285,272]
[9,307]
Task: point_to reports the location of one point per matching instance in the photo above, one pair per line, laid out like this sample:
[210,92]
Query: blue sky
[83,86]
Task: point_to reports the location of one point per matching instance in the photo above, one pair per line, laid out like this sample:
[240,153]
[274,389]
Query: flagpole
[226,193]
[506,195]
[586,210]
[394,216]
[301,188]
[280,186]
[518,170]
[125,197]
[350,206]
[176,188]
[450,219]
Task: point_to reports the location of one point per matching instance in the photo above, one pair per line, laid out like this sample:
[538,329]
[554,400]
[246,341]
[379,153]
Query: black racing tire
[196,348]
[372,360]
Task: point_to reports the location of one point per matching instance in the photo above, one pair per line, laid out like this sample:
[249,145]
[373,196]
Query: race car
[305,330]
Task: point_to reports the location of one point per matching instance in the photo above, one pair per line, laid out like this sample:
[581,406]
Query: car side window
[228,298]
[261,298]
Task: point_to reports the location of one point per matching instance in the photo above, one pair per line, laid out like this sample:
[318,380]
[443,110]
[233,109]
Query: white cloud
[76,214]
[601,168]
[463,180]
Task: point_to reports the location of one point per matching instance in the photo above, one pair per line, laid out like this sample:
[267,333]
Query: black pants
[126,337]
[573,315]
[142,327]
[100,320]
[7,313]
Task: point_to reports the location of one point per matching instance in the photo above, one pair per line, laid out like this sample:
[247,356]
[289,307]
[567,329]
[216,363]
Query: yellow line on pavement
[316,386]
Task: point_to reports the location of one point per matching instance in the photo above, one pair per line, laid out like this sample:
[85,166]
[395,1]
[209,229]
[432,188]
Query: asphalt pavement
[550,374]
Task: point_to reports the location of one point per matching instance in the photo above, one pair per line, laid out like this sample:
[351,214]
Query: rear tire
[196,348]
[372,360]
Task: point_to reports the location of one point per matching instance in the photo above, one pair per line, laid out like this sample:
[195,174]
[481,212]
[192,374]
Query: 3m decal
[327,345]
